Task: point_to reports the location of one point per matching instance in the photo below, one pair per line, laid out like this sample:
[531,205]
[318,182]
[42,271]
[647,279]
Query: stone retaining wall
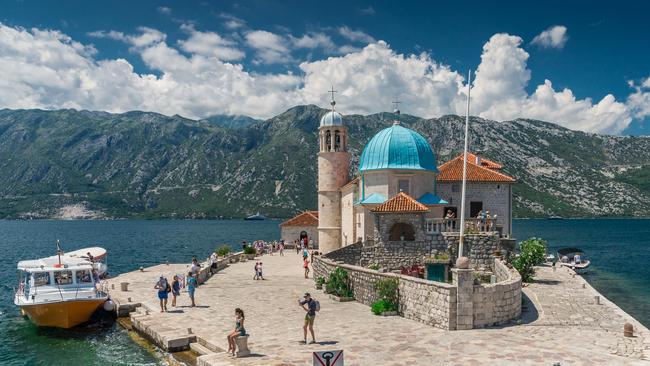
[498,303]
[428,302]
[461,305]
[350,254]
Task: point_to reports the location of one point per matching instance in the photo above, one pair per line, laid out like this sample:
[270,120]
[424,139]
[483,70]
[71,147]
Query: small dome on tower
[331,118]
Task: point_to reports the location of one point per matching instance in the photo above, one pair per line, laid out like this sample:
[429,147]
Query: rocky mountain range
[69,163]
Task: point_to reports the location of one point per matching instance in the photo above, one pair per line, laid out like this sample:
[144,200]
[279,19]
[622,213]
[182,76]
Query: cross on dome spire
[333,102]
[396,102]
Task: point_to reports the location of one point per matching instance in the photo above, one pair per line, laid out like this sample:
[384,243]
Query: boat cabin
[39,282]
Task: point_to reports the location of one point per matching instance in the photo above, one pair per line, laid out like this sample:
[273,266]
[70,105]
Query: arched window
[328,140]
[337,141]
[402,231]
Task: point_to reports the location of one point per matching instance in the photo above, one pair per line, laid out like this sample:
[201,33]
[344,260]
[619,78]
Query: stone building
[399,162]
[303,225]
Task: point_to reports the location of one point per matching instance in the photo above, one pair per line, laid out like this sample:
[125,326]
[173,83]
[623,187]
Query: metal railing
[472,225]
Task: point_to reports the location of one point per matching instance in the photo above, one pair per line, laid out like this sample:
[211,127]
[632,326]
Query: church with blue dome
[400,193]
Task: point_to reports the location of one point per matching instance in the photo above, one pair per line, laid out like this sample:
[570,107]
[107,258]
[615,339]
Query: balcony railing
[472,225]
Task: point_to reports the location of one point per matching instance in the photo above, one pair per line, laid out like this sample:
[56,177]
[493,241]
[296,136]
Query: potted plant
[388,300]
[338,286]
[320,281]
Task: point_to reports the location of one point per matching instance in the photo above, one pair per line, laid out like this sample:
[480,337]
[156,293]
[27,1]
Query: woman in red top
[305,265]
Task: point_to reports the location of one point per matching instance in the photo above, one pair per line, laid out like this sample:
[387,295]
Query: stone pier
[561,323]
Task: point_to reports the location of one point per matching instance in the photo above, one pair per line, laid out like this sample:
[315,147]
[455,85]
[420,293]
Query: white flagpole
[461,237]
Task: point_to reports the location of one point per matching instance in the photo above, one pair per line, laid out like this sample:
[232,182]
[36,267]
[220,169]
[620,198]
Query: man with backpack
[312,306]
[163,288]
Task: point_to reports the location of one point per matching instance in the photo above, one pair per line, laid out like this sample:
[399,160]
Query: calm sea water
[130,244]
[619,250]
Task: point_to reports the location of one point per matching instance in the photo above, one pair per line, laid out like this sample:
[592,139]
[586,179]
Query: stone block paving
[569,327]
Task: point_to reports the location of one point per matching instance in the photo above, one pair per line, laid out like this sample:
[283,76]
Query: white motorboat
[573,258]
[59,291]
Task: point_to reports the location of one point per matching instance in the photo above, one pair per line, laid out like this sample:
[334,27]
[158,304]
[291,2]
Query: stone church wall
[497,198]
[479,248]
[394,254]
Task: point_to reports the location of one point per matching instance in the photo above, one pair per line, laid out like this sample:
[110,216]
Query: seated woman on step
[239,331]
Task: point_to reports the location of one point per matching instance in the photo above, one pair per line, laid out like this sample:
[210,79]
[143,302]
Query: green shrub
[374,266]
[381,306]
[249,250]
[338,283]
[387,292]
[223,250]
[531,253]
[320,281]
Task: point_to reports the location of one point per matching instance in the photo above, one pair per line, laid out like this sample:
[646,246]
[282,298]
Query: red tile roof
[307,218]
[452,171]
[484,162]
[402,202]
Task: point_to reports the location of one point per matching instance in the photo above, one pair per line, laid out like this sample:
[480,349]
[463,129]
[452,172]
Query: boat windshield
[63,277]
[84,276]
[41,278]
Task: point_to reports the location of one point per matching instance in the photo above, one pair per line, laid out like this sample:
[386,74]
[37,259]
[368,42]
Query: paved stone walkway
[564,325]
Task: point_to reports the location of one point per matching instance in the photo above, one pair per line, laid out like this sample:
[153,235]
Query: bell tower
[333,167]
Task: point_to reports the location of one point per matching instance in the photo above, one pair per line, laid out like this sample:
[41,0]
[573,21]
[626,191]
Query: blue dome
[331,118]
[397,147]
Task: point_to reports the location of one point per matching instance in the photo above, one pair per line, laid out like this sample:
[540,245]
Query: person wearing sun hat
[312,307]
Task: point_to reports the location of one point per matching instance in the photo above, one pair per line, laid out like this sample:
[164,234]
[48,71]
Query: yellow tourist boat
[60,291]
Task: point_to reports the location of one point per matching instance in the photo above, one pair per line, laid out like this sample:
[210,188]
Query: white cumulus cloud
[553,37]
[198,76]
[639,101]
[355,35]
[271,48]
[209,44]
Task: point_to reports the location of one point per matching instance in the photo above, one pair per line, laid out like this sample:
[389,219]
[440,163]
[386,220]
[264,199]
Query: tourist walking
[312,306]
[305,265]
[163,289]
[176,290]
[282,248]
[238,332]
[196,266]
[296,246]
[191,286]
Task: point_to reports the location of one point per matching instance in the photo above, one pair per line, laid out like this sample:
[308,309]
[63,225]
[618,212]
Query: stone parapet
[428,302]
[498,303]
[460,305]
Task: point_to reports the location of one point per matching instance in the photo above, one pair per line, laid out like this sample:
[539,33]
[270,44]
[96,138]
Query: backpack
[167,288]
[317,305]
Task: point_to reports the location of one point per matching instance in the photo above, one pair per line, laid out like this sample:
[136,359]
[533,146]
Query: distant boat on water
[256,217]
[573,258]
[555,217]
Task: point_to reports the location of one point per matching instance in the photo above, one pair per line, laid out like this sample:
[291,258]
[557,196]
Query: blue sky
[601,48]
